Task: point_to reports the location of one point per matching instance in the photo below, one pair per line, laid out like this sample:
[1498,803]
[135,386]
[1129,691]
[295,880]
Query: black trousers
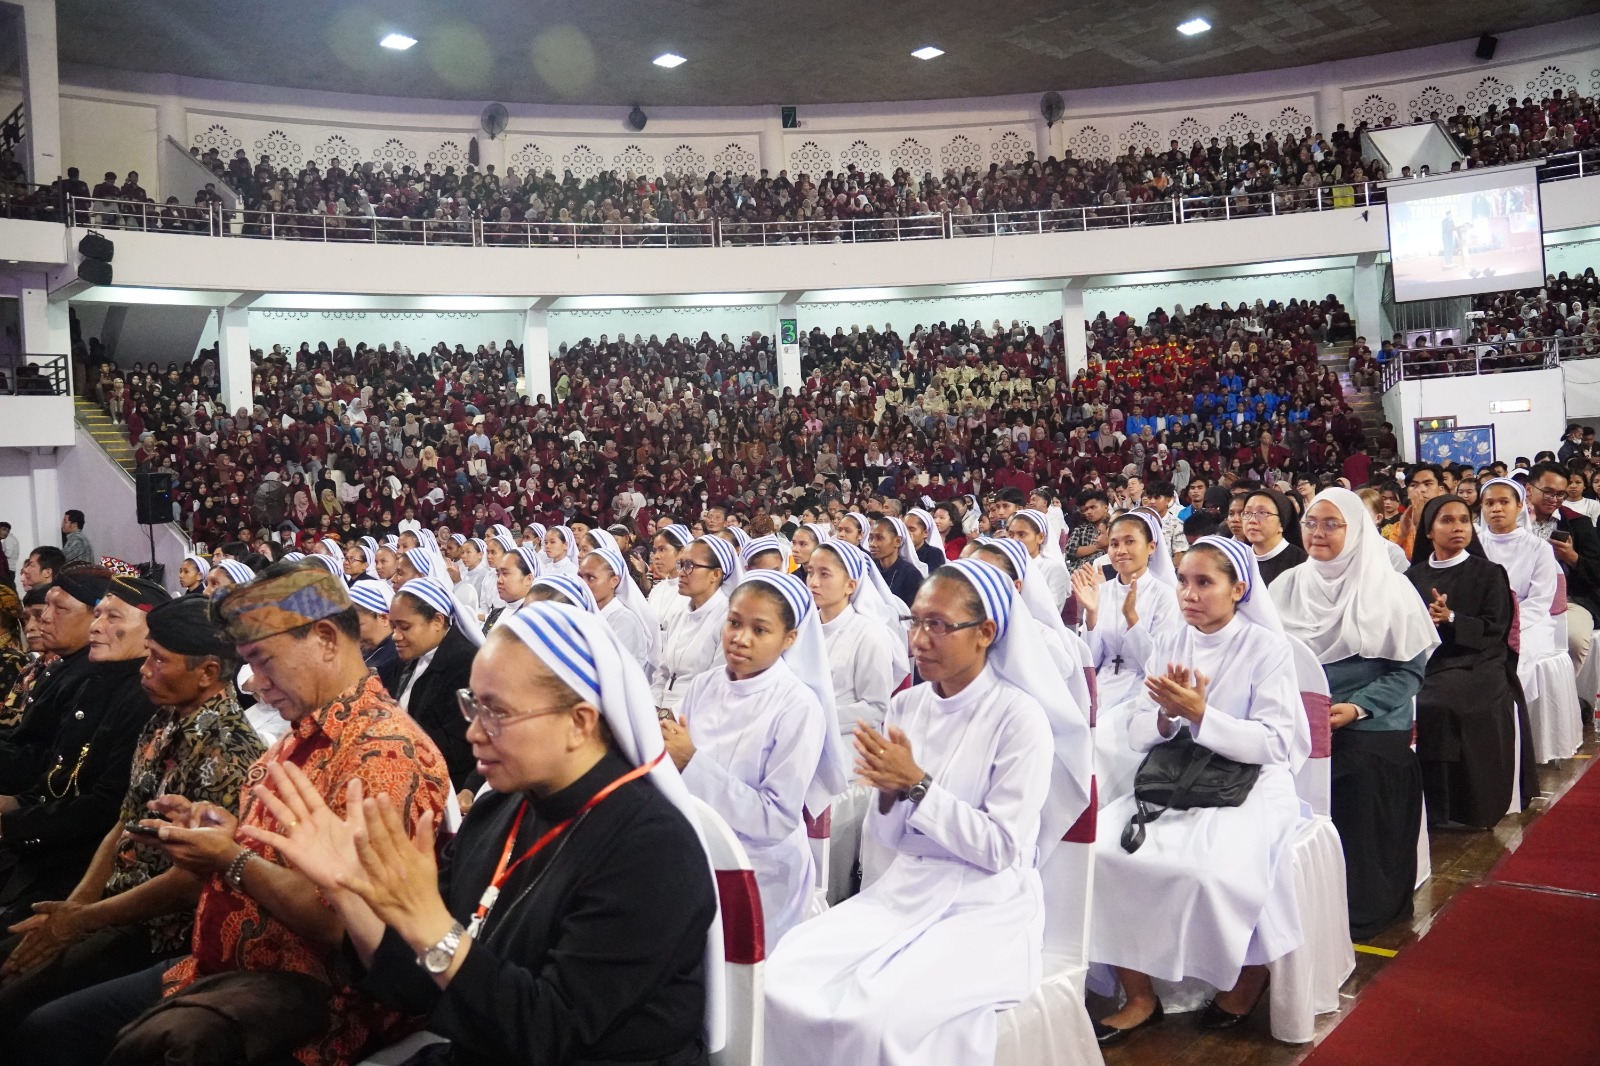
[1377,807]
[102,956]
[80,1029]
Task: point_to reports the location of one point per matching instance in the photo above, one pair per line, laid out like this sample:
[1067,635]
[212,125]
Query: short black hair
[48,557]
[1425,468]
[1090,495]
[1160,488]
[1539,470]
[76,518]
[236,549]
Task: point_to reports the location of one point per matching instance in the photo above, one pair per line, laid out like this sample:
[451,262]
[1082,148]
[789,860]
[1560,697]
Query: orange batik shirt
[363,733]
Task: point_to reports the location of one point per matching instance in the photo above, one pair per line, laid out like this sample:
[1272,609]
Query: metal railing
[32,203]
[37,377]
[218,221]
[1482,357]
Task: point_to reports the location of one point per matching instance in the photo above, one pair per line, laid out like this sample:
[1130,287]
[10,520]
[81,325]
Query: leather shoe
[1214,1017]
[1107,1035]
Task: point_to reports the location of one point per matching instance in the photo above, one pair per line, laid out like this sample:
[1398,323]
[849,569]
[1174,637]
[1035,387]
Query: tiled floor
[1459,859]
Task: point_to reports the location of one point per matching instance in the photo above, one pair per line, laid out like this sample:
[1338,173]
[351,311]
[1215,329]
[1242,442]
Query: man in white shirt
[9,545]
[1159,497]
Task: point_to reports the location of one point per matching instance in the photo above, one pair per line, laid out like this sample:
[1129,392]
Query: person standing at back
[74,542]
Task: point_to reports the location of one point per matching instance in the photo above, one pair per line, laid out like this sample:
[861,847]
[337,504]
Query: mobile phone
[140,830]
[1562,535]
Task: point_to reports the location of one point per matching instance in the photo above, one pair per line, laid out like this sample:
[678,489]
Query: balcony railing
[218,221]
[1482,357]
[39,377]
[33,203]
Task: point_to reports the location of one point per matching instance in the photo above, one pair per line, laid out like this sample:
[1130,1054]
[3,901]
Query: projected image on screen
[1466,241]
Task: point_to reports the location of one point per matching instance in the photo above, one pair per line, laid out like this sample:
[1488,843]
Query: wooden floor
[1459,859]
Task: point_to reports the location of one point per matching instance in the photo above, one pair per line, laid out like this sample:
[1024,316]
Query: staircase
[1367,403]
[110,436]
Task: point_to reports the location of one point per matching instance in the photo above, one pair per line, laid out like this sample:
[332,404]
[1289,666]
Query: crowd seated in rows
[364,438]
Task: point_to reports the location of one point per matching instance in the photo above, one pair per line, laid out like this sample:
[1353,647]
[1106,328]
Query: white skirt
[1210,891]
[911,971]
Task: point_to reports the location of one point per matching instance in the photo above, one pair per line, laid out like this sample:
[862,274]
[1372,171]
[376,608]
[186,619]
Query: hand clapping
[885,763]
[1439,608]
[1179,693]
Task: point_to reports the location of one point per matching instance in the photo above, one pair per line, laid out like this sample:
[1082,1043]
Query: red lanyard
[505,868]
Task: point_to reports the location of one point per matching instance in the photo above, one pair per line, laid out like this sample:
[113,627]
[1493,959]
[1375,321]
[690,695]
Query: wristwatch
[437,959]
[917,791]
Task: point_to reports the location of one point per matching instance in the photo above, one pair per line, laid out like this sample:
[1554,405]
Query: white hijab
[1354,604]
[935,538]
[1160,567]
[583,651]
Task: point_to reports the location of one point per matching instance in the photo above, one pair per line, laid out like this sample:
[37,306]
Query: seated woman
[561,549]
[608,960]
[925,538]
[623,605]
[192,575]
[1271,524]
[915,967]
[1124,620]
[1066,649]
[691,638]
[434,645]
[516,571]
[756,740]
[664,549]
[1531,567]
[765,553]
[1208,894]
[807,539]
[1372,635]
[1466,711]
[373,600]
[1032,528]
[862,663]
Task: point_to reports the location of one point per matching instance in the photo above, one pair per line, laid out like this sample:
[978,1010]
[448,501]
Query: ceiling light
[669,60]
[398,41]
[928,51]
[1194,26]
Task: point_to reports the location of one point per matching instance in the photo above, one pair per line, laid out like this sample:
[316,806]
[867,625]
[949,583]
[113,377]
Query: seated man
[64,795]
[259,922]
[133,907]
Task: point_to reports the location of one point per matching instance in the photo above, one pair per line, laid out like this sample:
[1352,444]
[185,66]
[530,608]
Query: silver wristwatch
[917,791]
[437,959]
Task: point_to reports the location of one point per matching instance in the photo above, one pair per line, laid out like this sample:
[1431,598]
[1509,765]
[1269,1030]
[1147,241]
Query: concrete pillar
[172,123]
[46,327]
[233,358]
[773,157]
[1330,110]
[492,153]
[1367,289]
[786,334]
[1072,327]
[44,483]
[41,92]
[536,356]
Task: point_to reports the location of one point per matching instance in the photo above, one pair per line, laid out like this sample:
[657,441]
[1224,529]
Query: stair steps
[106,433]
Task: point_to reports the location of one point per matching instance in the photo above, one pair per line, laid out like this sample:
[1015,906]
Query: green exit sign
[791,118]
[787,331]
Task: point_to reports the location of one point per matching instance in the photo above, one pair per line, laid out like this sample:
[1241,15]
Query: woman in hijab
[192,575]
[1222,681]
[624,921]
[1467,709]
[1373,636]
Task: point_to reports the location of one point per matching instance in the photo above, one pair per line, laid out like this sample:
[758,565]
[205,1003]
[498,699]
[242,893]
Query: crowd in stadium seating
[365,437]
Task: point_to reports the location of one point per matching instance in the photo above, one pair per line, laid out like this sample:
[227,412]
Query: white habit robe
[629,630]
[1056,577]
[861,660]
[1120,655]
[1211,889]
[913,969]
[757,746]
[691,642]
[1531,567]
[564,566]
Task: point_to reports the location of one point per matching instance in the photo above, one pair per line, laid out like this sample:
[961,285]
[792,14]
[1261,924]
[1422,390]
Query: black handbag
[1181,774]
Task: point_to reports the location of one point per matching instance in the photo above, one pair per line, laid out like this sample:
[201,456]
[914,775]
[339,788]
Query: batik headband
[267,606]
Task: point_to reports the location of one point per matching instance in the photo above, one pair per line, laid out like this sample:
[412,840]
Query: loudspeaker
[152,497]
[1486,47]
[637,118]
[96,265]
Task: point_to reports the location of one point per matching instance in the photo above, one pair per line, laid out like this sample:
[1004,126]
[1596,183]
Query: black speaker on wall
[1486,46]
[96,265]
[152,497]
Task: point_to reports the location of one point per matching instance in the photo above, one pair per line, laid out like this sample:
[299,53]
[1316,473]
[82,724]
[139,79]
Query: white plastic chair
[819,836]
[844,843]
[743,939]
[1314,780]
[1052,1027]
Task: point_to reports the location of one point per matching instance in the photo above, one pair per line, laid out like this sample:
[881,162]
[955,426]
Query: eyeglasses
[937,628]
[1549,494]
[492,720]
[1257,516]
[689,566]
[1330,526]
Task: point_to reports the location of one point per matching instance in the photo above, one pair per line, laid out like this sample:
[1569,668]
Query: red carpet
[1506,975]
[1562,849]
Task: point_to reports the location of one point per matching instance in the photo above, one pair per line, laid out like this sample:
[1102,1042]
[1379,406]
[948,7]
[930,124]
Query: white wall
[416,329]
[1468,398]
[35,421]
[1574,258]
[16,501]
[1581,379]
[1140,300]
[91,482]
[102,135]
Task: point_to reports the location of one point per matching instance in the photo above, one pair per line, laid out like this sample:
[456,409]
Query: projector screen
[1459,235]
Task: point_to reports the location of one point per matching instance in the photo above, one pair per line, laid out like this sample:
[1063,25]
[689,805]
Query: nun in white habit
[1125,619]
[914,969]
[1531,566]
[1052,567]
[668,542]
[1209,890]
[691,637]
[756,739]
[861,649]
[561,551]
[1066,647]
[625,608]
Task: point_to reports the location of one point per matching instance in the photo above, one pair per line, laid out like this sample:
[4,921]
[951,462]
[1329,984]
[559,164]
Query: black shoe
[1214,1017]
[1107,1035]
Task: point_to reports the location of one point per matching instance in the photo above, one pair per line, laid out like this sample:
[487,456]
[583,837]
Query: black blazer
[433,700]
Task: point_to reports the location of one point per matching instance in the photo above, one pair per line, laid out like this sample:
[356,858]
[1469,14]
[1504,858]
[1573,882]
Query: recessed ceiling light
[669,60]
[398,41]
[928,51]
[1194,26]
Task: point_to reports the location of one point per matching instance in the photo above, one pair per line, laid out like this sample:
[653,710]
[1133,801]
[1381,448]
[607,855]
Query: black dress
[903,580]
[1290,557]
[432,703]
[595,952]
[1466,711]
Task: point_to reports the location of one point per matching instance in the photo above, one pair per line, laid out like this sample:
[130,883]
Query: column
[41,92]
[1367,291]
[233,358]
[174,177]
[536,356]
[1072,327]
[44,482]
[492,152]
[773,157]
[1330,110]
[46,328]
[786,332]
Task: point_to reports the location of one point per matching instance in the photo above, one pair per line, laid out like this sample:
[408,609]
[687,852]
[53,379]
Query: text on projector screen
[1509,407]
[1460,244]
